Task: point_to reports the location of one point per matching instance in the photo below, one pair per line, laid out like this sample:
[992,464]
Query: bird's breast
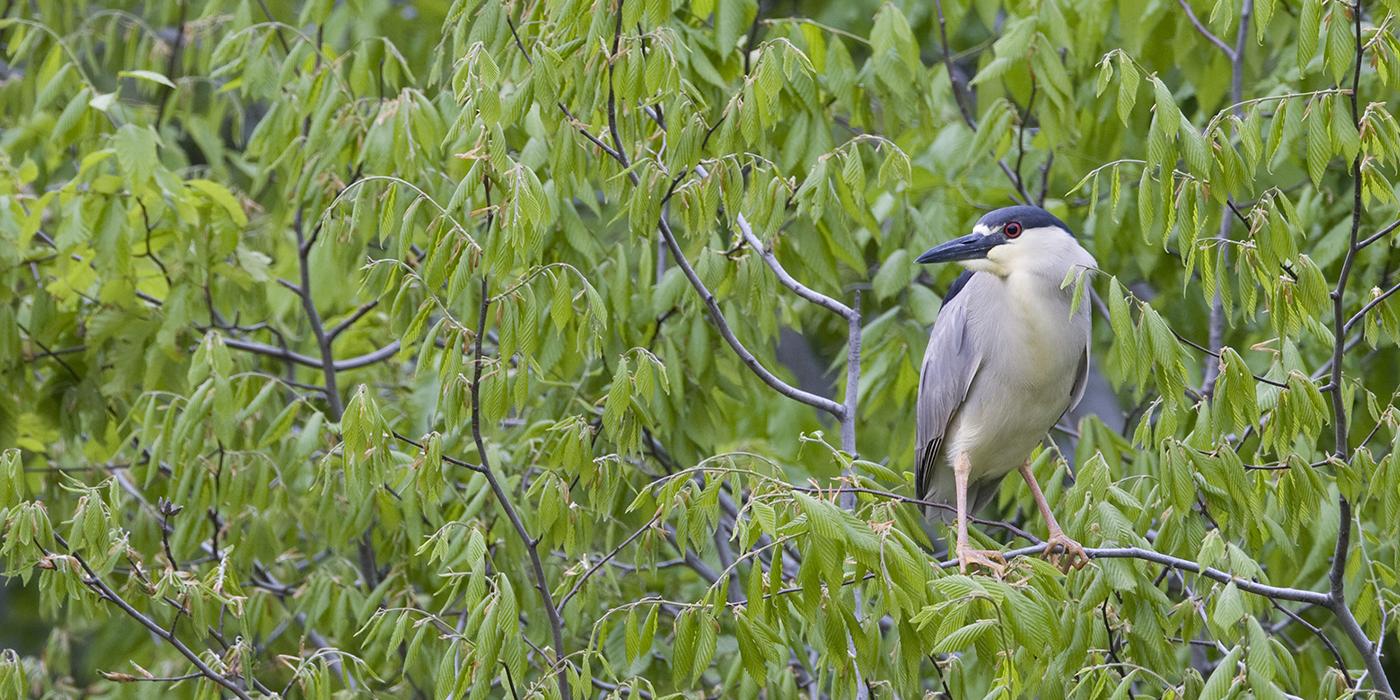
[1029,359]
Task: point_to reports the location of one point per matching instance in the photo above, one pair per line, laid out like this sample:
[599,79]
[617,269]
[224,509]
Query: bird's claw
[989,559]
[1060,545]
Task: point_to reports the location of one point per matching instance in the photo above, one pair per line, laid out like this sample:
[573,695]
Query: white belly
[1025,383]
[1001,422]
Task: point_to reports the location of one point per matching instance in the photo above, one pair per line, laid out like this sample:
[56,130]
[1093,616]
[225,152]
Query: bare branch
[556,624]
[1297,595]
[1336,655]
[1205,32]
[717,316]
[618,151]
[786,279]
[313,316]
[1373,303]
[853,343]
[104,591]
[1378,235]
[1336,600]
[358,361]
[128,678]
[962,95]
[359,313]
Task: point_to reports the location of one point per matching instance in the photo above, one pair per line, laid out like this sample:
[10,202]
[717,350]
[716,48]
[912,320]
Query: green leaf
[1222,679]
[147,75]
[135,148]
[895,274]
[1229,606]
[221,196]
[963,637]
[1128,80]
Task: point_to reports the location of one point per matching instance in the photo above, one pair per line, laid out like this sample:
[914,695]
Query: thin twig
[618,152]
[717,317]
[1205,32]
[787,280]
[1215,338]
[1378,235]
[358,361]
[564,601]
[556,624]
[1336,655]
[1373,303]
[357,315]
[1297,595]
[104,591]
[962,96]
[1336,600]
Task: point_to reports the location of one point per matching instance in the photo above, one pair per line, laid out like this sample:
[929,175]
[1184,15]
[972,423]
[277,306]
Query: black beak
[969,247]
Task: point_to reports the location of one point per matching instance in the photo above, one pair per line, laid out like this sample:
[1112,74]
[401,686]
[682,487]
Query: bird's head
[1014,239]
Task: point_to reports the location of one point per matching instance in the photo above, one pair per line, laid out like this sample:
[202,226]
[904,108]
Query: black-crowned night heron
[1005,360]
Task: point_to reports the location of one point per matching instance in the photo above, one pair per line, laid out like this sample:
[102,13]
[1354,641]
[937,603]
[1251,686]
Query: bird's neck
[1051,270]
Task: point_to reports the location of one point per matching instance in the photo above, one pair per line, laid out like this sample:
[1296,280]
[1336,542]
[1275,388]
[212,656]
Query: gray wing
[1085,321]
[1081,380]
[944,379]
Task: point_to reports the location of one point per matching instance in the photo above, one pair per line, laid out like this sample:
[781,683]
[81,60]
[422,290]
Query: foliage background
[402,348]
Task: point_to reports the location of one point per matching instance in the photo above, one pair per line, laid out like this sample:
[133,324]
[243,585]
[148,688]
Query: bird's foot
[1064,552]
[989,559]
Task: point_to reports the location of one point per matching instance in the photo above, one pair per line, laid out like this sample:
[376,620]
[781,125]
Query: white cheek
[986,264]
[1024,253]
[1003,258]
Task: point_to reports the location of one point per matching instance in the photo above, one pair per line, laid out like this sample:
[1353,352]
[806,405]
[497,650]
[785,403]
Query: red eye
[1012,230]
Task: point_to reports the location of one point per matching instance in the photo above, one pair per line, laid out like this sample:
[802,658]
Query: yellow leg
[1058,543]
[967,556]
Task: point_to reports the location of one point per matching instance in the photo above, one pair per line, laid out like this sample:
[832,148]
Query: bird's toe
[1064,552]
[989,559]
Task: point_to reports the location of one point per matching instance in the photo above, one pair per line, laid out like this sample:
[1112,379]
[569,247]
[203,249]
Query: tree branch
[852,395]
[1336,600]
[618,152]
[104,591]
[787,280]
[1230,53]
[359,313]
[556,624]
[1215,339]
[313,316]
[1373,303]
[962,96]
[1378,235]
[1336,655]
[564,601]
[1297,595]
[272,351]
[717,316]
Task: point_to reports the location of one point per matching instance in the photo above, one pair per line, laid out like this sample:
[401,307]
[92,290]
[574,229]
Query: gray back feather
[945,377]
